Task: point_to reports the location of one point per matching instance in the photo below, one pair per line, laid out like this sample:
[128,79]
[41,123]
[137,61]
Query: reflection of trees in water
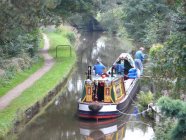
[108,49]
[140,123]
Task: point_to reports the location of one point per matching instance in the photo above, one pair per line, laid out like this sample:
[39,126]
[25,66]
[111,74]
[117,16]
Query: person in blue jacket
[119,68]
[99,67]
[140,55]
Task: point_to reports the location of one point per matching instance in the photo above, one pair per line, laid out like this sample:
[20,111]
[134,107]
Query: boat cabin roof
[127,57]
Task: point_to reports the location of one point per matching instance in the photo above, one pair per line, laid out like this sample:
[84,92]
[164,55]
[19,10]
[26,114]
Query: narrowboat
[106,96]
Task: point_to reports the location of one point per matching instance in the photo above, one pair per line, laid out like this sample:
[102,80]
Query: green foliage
[154,51]
[67,8]
[156,30]
[144,98]
[176,54]
[18,27]
[177,109]
[71,37]
[20,20]
[138,14]
[9,74]
[170,61]
[111,19]
[163,129]
[172,108]
[152,21]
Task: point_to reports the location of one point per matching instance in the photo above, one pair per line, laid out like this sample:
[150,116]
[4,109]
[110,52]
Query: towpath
[18,90]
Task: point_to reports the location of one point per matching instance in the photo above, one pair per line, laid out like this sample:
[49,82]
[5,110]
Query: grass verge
[21,76]
[63,65]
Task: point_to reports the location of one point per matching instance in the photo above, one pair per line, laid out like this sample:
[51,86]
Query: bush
[174,109]
[15,65]
[154,50]
[71,37]
[9,74]
[144,99]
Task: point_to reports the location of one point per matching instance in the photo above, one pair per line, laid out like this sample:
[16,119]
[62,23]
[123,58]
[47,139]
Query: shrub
[154,50]
[144,99]
[71,37]
[175,109]
[9,74]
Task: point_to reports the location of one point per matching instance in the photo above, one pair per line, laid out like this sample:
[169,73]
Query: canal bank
[24,107]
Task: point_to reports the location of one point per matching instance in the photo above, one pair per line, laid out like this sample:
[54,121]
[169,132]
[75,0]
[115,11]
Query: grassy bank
[20,77]
[63,64]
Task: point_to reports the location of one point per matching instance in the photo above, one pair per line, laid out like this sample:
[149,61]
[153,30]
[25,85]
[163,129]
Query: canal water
[59,120]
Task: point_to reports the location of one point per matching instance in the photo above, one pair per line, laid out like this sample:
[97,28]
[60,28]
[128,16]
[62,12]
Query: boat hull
[108,110]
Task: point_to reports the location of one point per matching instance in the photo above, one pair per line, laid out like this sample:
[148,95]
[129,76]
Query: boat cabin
[110,87]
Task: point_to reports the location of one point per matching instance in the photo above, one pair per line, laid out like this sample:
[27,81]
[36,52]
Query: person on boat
[119,67]
[139,67]
[99,67]
[140,55]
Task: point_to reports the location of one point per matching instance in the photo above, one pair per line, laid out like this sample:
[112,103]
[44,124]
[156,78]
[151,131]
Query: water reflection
[59,120]
[122,128]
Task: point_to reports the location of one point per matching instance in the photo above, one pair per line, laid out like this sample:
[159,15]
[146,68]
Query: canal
[59,120]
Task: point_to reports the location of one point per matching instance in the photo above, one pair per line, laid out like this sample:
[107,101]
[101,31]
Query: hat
[141,48]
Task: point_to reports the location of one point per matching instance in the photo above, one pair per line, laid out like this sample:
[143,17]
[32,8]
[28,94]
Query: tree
[111,20]
[138,15]
[20,20]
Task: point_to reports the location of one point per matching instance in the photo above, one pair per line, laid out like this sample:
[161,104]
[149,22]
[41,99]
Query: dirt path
[16,91]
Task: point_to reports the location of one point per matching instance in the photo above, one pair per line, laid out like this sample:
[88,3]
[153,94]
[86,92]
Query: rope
[148,109]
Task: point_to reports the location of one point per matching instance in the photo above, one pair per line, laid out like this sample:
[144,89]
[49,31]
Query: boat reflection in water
[126,127]
[112,129]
